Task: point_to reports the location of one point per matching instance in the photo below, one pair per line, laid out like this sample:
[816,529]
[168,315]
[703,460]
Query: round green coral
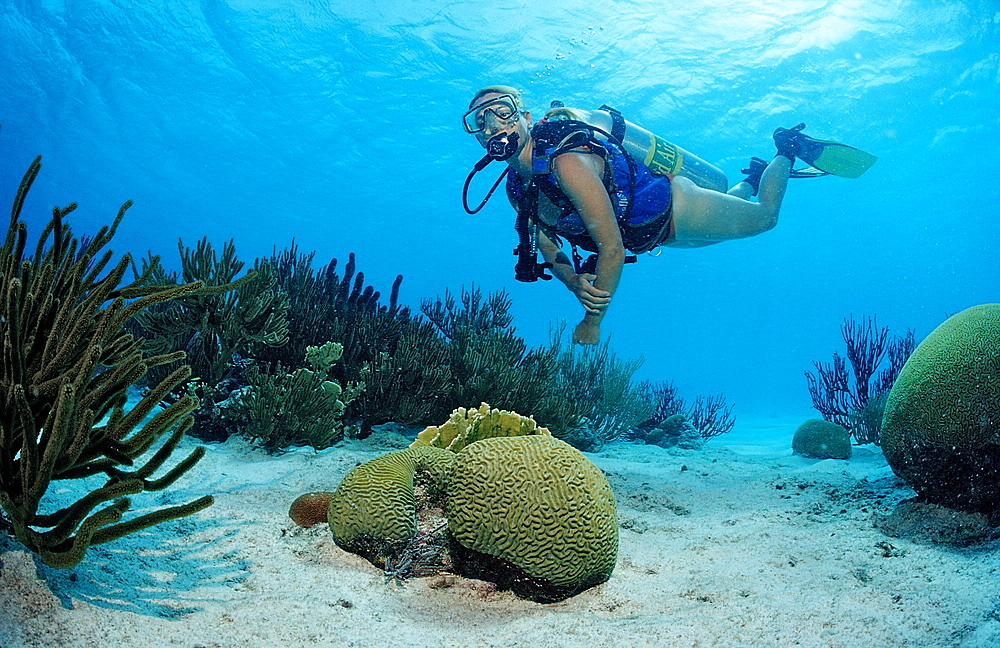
[373,512]
[822,440]
[941,429]
[534,514]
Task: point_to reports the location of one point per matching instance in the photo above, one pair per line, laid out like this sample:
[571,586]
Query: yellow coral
[373,512]
[533,513]
[524,509]
[322,358]
[948,393]
[466,426]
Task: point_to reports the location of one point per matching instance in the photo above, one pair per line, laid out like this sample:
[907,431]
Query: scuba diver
[609,187]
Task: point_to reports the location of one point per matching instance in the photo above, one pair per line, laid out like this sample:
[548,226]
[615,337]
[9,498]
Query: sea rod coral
[68,363]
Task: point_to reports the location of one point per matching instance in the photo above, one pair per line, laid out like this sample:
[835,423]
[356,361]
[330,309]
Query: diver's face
[494,114]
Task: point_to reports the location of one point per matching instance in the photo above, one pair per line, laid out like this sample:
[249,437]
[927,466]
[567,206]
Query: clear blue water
[337,124]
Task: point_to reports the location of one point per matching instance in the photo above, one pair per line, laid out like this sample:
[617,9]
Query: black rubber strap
[617,123]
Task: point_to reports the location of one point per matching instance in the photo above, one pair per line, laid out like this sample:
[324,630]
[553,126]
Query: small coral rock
[941,429]
[676,431]
[373,512]
[310,509]
[822,440]
[532,513]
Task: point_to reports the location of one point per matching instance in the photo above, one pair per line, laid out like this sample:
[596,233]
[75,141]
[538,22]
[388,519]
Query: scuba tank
[662,157]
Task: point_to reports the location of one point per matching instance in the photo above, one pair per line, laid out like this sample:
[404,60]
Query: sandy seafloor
[738,544]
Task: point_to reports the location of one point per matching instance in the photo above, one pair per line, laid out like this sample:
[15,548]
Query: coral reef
[249,338]
[854,402]
[488,361]
[68,363]
[234,320]
[280,410]
[304,407]
[674,423]
[522,508]
[532,513]
[415,370]
[711,416]
[941,431]
[325,305]
[323,358]
[373,512]
[598,386]
[822,439]
[401,360]
[675,431]
[407,384]
[220,328]
[668,401]
[310,509]
[466,426]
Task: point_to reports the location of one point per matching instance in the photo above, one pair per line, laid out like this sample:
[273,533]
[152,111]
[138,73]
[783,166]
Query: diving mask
[496,112]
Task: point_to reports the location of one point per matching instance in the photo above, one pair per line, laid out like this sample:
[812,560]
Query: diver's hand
[587,332]
[593,299]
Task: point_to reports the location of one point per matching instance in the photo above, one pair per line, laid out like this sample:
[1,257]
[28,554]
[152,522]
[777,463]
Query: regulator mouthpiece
[502,147]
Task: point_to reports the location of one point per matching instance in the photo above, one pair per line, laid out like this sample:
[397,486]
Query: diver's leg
[750,185]
[773,183]
[742,190]
[703,215]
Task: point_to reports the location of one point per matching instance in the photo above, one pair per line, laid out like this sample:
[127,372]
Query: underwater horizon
[336,125]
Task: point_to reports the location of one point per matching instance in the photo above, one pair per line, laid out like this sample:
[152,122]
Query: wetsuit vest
[642,207]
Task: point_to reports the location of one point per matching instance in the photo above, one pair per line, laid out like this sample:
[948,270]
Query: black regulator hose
[500,148]
[465,190]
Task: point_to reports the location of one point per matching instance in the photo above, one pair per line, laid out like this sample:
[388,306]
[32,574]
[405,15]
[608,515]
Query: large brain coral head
[941,429]
[532,513]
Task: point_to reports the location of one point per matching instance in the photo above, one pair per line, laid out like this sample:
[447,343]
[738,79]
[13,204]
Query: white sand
[739,544]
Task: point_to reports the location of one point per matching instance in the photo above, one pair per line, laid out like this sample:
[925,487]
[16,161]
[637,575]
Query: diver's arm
[562,267]
[579,177]
[592,299]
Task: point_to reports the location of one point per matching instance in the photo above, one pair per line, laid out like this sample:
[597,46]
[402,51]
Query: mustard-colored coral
[534,514]
[466,426]
[373,511]
[524,509]
[941,429]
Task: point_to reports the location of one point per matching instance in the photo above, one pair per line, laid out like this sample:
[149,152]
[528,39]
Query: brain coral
[310,509]
[822,440]
[941,429]
[534,514]
[373,511]
[466,426]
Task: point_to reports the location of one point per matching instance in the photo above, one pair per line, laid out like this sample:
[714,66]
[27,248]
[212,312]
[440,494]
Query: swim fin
[832,157]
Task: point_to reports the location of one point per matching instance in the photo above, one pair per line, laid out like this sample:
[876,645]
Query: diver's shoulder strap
[555,137]
[617,123]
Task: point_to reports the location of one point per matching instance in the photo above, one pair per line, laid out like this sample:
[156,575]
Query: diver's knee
[762,220]
[770,221]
